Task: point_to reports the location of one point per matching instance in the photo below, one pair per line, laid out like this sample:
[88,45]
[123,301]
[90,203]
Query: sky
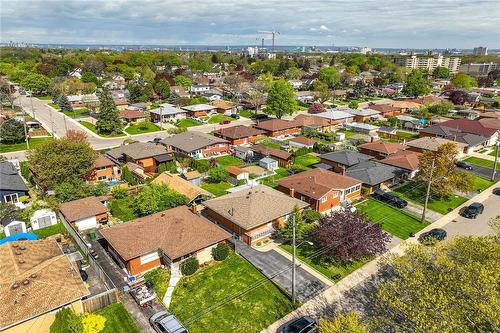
[370,23]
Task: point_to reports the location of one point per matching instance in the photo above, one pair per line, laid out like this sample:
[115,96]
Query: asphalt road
[484,172]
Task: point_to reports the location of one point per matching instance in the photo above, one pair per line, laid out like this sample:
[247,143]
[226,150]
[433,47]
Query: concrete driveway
[278,268]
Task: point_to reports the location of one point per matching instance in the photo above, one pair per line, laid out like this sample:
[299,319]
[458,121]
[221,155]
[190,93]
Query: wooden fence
[100,301]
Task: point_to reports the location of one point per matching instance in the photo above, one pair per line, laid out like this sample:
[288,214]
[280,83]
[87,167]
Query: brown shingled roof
[131,114]
[383,147]
[181,186]
[222,104]
[82,208]
[276,125]
[238,132]
[405,159]
[176,232]
[273,152]
[102,161]
[303,140]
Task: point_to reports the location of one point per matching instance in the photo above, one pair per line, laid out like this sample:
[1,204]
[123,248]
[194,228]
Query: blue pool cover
[17,237]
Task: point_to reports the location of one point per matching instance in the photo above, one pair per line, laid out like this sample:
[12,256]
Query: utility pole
[293,259]
[496,160]
[428,190]
[32,108]
[26,137]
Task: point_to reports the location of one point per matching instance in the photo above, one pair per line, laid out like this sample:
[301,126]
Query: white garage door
[44,222]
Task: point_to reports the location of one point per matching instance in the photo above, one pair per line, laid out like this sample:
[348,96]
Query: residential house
[104,170]
[43,218]
[384,130]
[316,123]
[343,159]
[438,120]
[487,128]
[131,116]
[199,89]
[141,106]
[253,215]
[199,110]
[406,105]
[36,280]
[323,190]
[269,164]
[427,100]
[301,142]
[364,128]
[224,107]
[284,158]
[385,110]
[121,103]
[86,213]
[335,117]
[196,144]
[239,135]
[144,154]
[166,112]
[78,101]
[472,141]
[305,96]
[237,175]
[380,149]
[213,94]
[427,143]
[194,177]
[244,153]
[361,115]
[404,159]
[193,193]
[410,123]
[12,185]
[164,238]
[375,175]
[278,127]
[12,225]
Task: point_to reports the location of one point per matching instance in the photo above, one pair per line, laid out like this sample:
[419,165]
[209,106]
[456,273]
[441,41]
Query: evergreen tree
[64,104]
[108,121]
[12,131]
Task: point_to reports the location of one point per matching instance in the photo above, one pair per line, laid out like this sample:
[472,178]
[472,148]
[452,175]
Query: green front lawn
[7,148]
[188,123]
[408,135]
[52,230]
[218,118]
[327,267]
[482,162]
[480,183]
[228,160]
[92,128]
[416,193]
[77,113]
[160,278]
[118,319]
[142,128]
[55,106]
[305,161]
[197,298]
[217,189]
[396,222]
[247,114]
[493,153]
[45,98]
[271,180]
[122,209]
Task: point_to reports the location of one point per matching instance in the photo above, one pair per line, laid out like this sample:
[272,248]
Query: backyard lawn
[271,180]
[118,319]
[416,193]
[92,127]
[246,114]
[160,278]
[52,230]
[325,266]
[218,118]
[394,221]
[188,123]
[305,161]
[77,113]
[482,162]
[408,135]
[10,147]
[269,143]
[228,160]
[142,128]
[216,189]
[480,183]
[122,209]
[196,299]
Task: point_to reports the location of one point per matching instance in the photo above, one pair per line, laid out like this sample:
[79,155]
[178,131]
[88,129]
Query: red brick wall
[135,268]
[215,149]
[289,131]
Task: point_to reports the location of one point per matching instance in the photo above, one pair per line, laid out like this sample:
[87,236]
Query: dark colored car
[261,117]
[390,198]
[464,165]
[435,233]
[473,210]
[304,324]
[157,140]
[496,191]
[235,116]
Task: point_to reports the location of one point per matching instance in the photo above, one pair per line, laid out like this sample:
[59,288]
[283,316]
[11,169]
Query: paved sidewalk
[415,209]
[484,156]
[175,276]
[315,307]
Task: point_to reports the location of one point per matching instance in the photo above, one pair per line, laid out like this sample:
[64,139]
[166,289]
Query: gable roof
[165,109]
[383,147]
[275,125]
[273,152]
[82,208]
[191,141]
[362,112]
[254,207]
[10,179]
[315,183]
[311,121]
[383,108]
[131,114]
[181,186]
[238,132]
[234,170]
[333,115]
[303,140]
[405,159]
[198,107]
[192,174]
[102,161]
[137,150]
[471,126]
[222,104]
[176,232]
[433,143]
[52,280]
[373,173]
[346,157]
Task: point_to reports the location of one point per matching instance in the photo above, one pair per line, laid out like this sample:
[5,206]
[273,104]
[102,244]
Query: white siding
[86,223]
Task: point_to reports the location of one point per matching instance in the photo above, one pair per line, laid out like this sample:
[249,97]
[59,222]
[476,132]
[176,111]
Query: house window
[102,178]
[323,200]
[335,194]
[149,257]
[13,198]
[101,168]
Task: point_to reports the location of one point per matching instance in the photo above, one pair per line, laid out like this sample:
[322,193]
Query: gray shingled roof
[10,179]
[192,141]
[346,157]
[137,150]
[373,173]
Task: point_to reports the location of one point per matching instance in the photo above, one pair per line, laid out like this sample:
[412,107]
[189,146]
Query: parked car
[496,191]
[225,122]
[304,324]
[464,165]
[261,116]
[235,116]
[391,198]
[436,233]
[157,140]
[473,210]
[165,322]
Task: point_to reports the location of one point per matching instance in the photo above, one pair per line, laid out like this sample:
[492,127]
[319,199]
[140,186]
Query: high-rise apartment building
[429,63]
[480,50]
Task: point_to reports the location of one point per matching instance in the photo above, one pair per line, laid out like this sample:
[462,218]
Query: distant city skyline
[425,24]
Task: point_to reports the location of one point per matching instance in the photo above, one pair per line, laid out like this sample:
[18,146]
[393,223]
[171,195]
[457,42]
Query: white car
[165,322]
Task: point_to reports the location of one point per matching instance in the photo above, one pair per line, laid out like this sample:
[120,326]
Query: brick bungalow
[316,123]
[131,116]
[424,144]
[375,175]
[323,190]
[86,213]
[223,106]
[386,110]
[380,149]
[254,214]
[278,127]
[104,170]
[196,144]
[199,110]
[239,135]
[166,238]
[405,159]
[284,158]
[456,128]
[145,154]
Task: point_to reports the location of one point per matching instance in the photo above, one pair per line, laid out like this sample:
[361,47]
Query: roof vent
[34,276]
[22,248]
[18,253]
[15,285]
[15,246]
[26,282]
[21,261]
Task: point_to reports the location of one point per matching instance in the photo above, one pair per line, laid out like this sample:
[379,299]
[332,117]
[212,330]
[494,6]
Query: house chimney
[292,192]
[343,171]
[194,208]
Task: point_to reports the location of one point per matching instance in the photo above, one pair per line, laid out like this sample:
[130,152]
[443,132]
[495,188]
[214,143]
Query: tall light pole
[294,248]
[496,160]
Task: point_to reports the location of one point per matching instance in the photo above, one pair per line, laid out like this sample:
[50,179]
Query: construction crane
[272,33]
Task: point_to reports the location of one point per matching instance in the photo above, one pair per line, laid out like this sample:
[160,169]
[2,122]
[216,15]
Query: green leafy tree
[12,131]
[321,91]
[451,286]
[181,80]
[108,121]
[136,92]
[463,80]
[154,198]
[61,160]
[416,84]
[281,99]
[63,103]
[440,109]
[89,77]
[162,88]
[353,104]
[77,189]
[66,321]
[330,76]
[128,177]
[302,228]
[36,83]
[342,323]
[293,73]
[93,323]
[217,175]
[441,72]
